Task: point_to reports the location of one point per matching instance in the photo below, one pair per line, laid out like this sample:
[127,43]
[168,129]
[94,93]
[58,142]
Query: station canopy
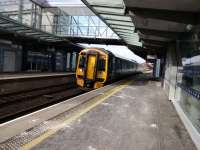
[112,12]
[7,24]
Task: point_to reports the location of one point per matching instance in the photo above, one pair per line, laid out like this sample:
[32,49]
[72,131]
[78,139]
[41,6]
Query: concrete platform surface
[137,116]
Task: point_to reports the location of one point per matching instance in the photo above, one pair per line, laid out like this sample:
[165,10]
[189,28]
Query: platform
[13,76]
[12,83]
[130,115]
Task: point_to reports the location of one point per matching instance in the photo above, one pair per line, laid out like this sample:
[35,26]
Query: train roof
[112,53]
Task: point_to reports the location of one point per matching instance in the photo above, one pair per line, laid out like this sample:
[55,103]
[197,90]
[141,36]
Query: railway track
[21,102]
[12,106]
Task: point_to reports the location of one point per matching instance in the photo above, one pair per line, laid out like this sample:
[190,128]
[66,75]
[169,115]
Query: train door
[91,67]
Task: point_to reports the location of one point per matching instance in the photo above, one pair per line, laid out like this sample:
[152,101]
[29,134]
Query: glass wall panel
[24,11]
[190,83]
[39,61]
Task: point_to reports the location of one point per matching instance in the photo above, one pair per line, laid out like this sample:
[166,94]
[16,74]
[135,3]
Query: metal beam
[124,32]
[153,42]
[155,38]
[173,5]
[33,33]
[107,6]
[123,29]
[6,25]
[137,48]
[111,19]
[152,48]
[14,28]
[51,40]
[25,31]
[20,10]
[42,36]
[159,33]
[152,45]
[96,41]
[120,25]
[162,25]
[169,15]
[111,13]
[128,34]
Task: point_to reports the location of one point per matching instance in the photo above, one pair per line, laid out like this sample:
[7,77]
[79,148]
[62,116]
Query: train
[97,66]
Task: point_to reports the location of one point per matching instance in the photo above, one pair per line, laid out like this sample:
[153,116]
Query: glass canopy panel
[126,35]
[134,43]
[122,27]
[111,3]
[119,33]
[106,10]
[132,38]
[120,23]
[116,17]
[7,25]
[129,35]
[16,28]
[34,33]
[123,31]
[9,5]
[25,31]
[112,12]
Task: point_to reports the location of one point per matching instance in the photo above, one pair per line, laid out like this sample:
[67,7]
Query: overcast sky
[120,51]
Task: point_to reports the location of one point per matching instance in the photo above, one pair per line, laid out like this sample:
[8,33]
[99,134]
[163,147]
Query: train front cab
[92,69]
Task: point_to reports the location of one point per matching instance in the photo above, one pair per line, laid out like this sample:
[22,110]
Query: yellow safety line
[75,115]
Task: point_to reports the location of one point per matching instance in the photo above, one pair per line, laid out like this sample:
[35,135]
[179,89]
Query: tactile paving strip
[18,141]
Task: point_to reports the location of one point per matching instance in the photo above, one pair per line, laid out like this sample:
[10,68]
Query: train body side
[119,67]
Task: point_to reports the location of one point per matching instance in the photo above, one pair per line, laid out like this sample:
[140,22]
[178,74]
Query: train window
[82,62]
[101,65]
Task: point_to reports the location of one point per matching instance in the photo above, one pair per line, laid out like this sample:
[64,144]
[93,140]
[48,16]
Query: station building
[35,37]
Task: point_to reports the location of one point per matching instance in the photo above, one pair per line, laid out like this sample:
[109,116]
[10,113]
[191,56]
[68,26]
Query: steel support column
[71,61]
[24,65]
[20,10]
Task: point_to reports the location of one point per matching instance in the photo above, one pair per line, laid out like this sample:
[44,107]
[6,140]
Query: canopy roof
[112,12]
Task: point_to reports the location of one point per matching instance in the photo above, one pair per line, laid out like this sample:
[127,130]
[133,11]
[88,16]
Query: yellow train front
[97,66]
